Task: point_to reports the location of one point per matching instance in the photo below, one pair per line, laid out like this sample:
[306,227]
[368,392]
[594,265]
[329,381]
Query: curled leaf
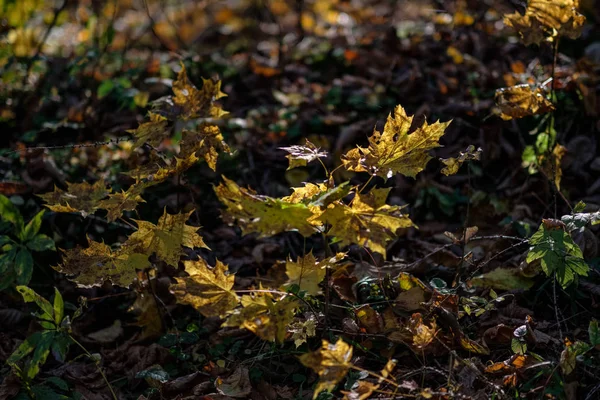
[300,156]
[453,164]
[522,101]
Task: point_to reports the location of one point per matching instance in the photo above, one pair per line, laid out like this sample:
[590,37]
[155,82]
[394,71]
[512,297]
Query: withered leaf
[207,142]
[191,102]
[547,18]
[98,263]
[79,197]
[452,164]
[300,155]
[395,150]
[152,132]
[119,202]
[208,290]
[522,101]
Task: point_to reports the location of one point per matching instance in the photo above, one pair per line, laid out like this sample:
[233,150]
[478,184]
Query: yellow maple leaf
[166,238]
[331,362]
[522,101]
[307,272]
[266,318]
[395,150]
[98,263]
[266,215]
[148,315]
[547,18]
[304,193]
[79,197]
[208,290]
[117,203]
[190,102]
[152,132]
[205,143]
[367,221]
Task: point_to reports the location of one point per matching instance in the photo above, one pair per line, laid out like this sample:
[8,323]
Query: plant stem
[87,353]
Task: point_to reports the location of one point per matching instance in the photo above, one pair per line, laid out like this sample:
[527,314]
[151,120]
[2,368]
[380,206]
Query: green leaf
[59,307]
[40,353]
[594,333]
[32,227]
[4,240]
[518,347]
[41,242]
[105,88]
[8,278]
[30,296]
[557,253]
[7,259]
[502,279]
[25,348]
[60,346]
[10,213]
[23,266]
[58,383]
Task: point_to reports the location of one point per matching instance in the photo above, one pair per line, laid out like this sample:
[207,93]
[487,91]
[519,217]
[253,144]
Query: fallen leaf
[331,362]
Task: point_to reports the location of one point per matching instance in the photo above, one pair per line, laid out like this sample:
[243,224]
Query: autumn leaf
[117,203]
[208,290]
[152,132]
[367,221]
[145,307]
[395,150]
[98,263]
[190,102]
[550,164]
[79,197]
[452,164]
[547,18]
[300,155]
[266,215]
[423,334]
[307,272]
[205,143]
[522,101]
[331,362]
[305,194]
[266,318]
[166,238]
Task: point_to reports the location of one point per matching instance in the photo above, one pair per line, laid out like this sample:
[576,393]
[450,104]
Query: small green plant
[16,261]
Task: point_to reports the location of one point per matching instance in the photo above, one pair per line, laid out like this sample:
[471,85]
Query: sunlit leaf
[208,290]
[367,221]
[331,362]
[307,272]
[522,101]
[167,236]
[265,215]
[547,18]
[395,150]
[423,334]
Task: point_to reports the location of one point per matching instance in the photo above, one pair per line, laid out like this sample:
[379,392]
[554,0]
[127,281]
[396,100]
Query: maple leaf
[206,143]
[98,263]
[300,156]
[305,193]
[190,102]
[395,150]
[266,318]
[166,238]
[117,203]
[208,290]
[522,101]
[266,215]
[307,272]
[79,197]
[148,315]
[152,132]
[367,221]
[452,164]
[331,362]
[547,18]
